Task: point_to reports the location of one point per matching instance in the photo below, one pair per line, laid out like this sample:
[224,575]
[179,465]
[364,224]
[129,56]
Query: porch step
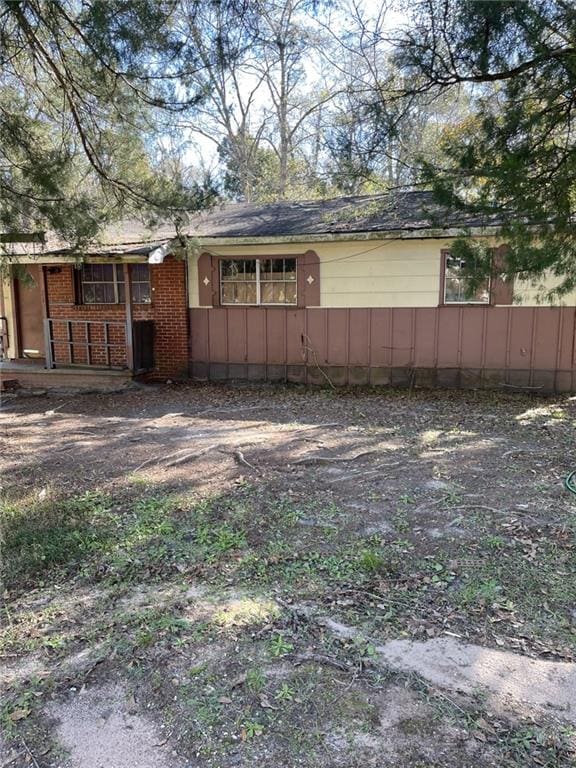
[29,376]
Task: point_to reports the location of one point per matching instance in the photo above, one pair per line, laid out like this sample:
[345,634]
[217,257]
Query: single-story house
[355,290]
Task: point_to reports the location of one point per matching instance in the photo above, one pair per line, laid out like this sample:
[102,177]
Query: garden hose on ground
[570,482]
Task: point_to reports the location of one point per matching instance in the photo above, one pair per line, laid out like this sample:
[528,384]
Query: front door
[30,315]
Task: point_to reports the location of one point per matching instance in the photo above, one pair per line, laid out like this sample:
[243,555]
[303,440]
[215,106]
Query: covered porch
[107,320]
[45,323]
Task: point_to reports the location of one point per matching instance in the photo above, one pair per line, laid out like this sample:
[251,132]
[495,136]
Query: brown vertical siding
[519,346]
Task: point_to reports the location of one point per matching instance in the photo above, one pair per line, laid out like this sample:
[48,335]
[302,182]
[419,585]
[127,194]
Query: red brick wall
[170,314]
[168,310]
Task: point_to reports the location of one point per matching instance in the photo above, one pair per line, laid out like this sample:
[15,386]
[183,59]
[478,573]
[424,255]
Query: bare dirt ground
[222,576]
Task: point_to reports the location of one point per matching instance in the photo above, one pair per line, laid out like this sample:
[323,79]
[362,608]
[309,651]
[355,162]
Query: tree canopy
[84,93]
[515,154]
[292,98]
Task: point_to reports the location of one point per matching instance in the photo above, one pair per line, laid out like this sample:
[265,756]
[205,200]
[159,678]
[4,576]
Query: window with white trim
[458,286]
[258,281]
[104,283]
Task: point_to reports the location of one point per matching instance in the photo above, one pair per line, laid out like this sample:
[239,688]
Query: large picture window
[258,281]
[104,284]
[458,286]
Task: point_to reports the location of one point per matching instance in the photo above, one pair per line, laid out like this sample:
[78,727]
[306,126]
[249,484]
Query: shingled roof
[398,212]
[364,213]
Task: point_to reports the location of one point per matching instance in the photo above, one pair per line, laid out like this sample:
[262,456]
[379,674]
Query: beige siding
[534,294]
[360,274]
[387,273]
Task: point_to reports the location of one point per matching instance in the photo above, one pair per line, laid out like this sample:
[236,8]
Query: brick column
[170,313]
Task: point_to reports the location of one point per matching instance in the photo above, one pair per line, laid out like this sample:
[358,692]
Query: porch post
[48,356]
[128,305]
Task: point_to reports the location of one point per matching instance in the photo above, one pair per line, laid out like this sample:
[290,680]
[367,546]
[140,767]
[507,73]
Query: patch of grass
[44,536]
[255,680]
[217,540]
[155,624]
[371,561]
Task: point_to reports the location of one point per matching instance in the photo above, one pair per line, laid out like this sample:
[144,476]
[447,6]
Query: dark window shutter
[444,253]
[501,289]
[309,280]
[205,287]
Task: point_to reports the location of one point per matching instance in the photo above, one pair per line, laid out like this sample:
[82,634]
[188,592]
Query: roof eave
[330,237]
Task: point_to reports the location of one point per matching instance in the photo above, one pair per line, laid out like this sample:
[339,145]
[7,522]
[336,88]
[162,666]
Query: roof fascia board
[397,234]
[56,258]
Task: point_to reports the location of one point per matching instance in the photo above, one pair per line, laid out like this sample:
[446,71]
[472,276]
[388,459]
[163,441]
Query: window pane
[267,293]
[266,269]
[290,293]
[238,293]
[289,269]
[99,296]
[140,273]
[87,272]
[96,273]
[238,269]
[458,288]
[109,296]
[228,293]
[121,293]
[452,289]
[140,293]
[89,296]
[229,269]
[279,292]
[246,293]
[277,269]
[107,272]
[479,294]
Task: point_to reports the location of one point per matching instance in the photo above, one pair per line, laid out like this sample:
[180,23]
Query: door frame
[16,299]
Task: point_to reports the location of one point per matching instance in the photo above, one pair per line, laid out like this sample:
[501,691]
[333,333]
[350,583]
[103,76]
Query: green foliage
[512,159]
[371,561]
[40,536]
[279,646]
[82,91]
[255,680]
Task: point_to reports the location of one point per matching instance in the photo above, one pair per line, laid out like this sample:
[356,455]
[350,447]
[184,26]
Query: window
[458,287]
[258,281]
[104,283]
[140,282]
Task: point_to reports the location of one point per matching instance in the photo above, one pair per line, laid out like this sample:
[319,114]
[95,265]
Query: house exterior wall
[373,273]
[167,310]
[380,321]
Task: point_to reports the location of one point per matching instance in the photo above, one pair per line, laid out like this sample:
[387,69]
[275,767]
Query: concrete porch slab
[32,374]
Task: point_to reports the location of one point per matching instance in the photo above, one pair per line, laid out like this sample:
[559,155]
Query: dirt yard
[239,576]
